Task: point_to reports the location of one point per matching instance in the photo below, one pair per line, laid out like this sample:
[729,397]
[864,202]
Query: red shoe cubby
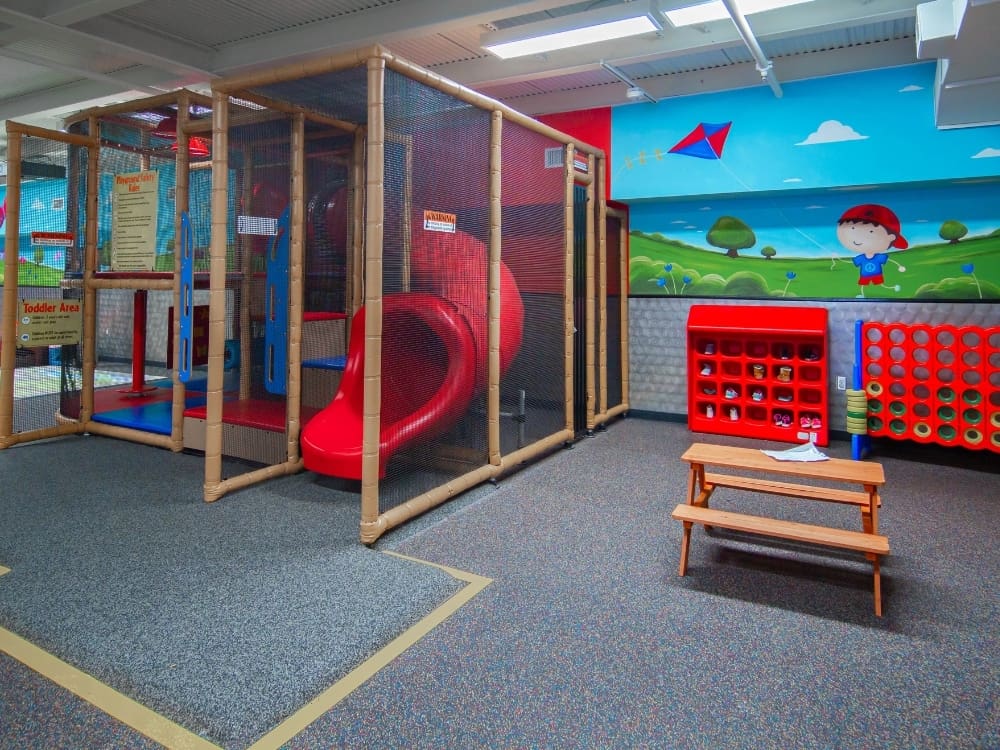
[758,371]
[933,384]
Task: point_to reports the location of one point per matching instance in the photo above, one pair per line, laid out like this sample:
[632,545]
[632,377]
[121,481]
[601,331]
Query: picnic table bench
[867,476]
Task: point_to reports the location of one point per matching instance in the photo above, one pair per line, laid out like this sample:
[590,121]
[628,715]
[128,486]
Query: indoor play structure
[109,196]
[377,274]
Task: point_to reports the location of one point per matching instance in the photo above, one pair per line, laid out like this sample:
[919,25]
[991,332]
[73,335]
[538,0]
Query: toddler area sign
[48,322]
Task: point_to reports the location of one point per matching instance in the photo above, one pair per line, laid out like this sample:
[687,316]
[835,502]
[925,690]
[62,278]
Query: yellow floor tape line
[176,737]
[350,682]
[110,701]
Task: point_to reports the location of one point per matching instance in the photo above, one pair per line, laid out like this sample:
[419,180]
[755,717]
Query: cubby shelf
[758,372]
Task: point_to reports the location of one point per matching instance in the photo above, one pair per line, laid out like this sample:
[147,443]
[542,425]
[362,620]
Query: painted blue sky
[872,128]
[800,225]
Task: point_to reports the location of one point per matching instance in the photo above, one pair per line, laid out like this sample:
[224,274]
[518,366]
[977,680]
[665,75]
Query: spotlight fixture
[574,30]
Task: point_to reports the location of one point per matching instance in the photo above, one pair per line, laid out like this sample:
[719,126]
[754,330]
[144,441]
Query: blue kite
[705,141]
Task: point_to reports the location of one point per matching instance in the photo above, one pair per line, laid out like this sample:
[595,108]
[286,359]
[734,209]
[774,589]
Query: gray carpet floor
[226,617]
[587,638]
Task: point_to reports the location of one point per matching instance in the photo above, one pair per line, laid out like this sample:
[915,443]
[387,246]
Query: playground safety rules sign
[133,222]
[439,221]
[48,322]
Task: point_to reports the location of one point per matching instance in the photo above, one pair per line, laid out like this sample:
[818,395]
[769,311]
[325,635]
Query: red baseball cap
[872,213]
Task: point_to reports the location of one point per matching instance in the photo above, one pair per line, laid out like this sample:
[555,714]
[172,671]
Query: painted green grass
[32,274]
[932,272]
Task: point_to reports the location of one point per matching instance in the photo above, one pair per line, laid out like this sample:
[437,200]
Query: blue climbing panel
[276,309]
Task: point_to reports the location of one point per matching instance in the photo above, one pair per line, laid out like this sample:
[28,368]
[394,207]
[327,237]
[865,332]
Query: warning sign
[52,239]
[49,322]
[439,221]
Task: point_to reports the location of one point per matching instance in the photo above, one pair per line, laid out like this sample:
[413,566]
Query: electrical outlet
[841,383]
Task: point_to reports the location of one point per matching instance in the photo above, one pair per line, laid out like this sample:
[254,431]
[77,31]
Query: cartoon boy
[869,230]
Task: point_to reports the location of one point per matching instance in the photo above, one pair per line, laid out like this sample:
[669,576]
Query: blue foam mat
[155,417]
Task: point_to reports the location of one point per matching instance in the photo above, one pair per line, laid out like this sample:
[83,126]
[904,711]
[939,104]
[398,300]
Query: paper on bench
[806,452]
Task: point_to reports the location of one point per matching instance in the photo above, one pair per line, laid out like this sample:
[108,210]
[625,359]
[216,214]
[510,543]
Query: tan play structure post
[295,271]
[182,180]
[591,288]
[623,330]
[493,279]
[569,319]
[374,187]
[8,353]
[217,296]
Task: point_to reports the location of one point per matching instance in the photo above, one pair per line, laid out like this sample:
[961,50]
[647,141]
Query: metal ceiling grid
[219,24]
[438,49]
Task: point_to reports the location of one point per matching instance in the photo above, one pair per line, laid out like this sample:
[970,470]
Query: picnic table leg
[877,574]
[693,483]
[685,543]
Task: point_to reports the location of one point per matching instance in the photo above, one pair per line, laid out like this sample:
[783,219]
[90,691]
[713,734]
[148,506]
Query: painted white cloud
[678,221]
[814,207]
[793,179]
[832,131]
[987,153]
[912,87]
[705,208]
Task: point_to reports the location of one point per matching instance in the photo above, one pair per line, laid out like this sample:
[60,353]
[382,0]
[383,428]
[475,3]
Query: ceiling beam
[58,98]
[68,12]
[179,59]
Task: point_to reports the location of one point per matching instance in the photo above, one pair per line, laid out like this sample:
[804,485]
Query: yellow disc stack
[857,412]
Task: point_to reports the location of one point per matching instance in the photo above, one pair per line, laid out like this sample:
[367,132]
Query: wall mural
[939,243]
[842,189]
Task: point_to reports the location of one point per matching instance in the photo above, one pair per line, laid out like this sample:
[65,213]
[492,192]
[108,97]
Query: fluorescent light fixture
[715,10]
[574,30]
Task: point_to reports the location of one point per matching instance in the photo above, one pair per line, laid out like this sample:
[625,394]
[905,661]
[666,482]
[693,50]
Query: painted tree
[953,231]
[732,234]
[768,252]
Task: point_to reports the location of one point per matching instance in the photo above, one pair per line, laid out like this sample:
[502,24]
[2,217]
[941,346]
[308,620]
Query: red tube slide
[425,389]
[435,351]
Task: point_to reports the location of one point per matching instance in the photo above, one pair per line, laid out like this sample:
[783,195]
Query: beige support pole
[375,185]
[355,296]
[8,331]
[568,312]
[591,292]
[217,298]
[293,400]
[601,221]
[182,183]
[493,280]
[243,310]
[407,210]
[623,305]
[89,336]
[296,70]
